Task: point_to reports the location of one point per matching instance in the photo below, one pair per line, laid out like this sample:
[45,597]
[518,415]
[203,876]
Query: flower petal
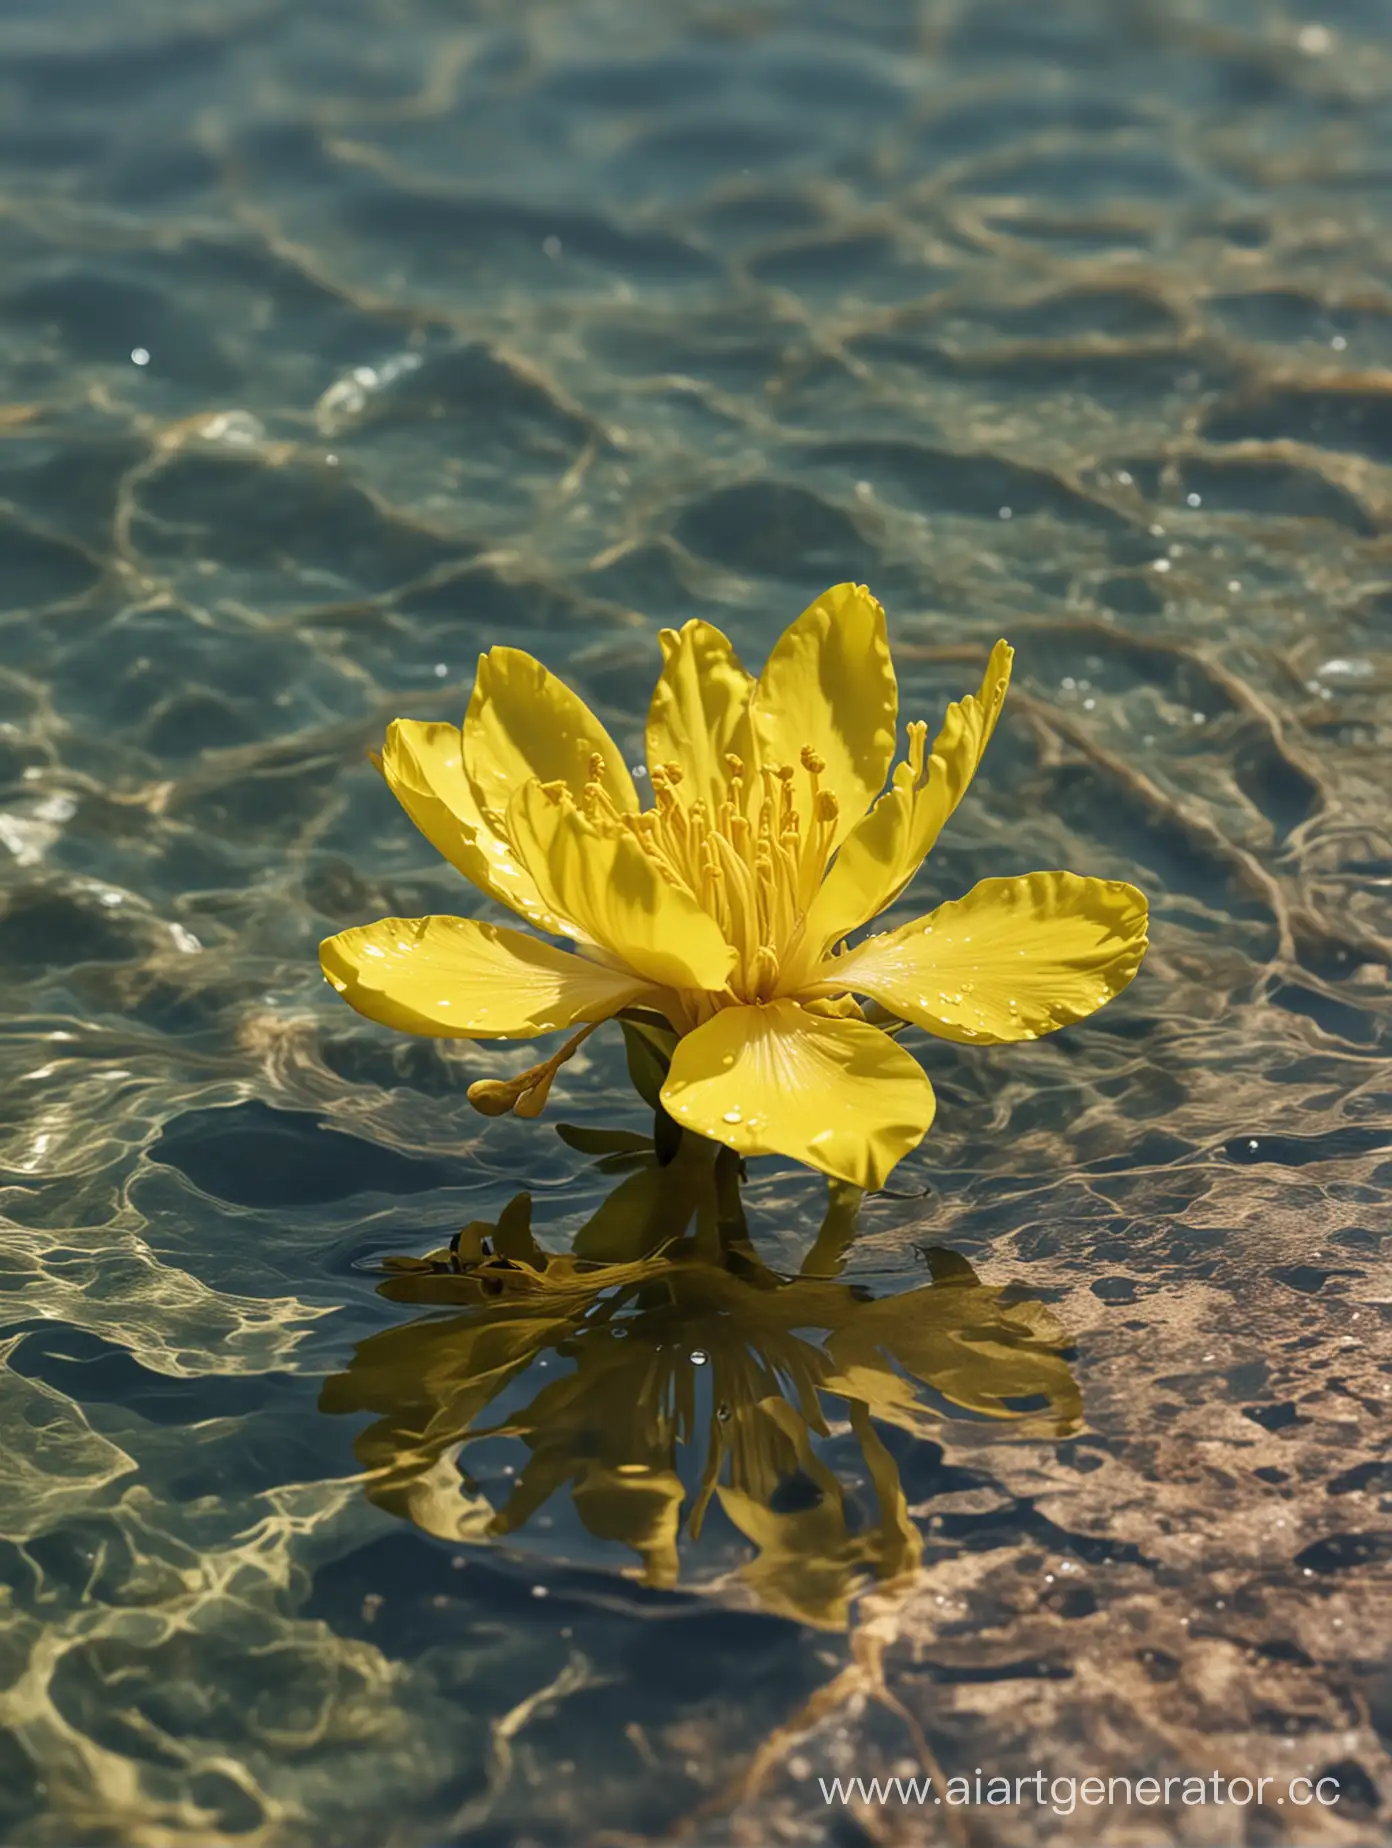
[830,684]
[1013,959]
[883,852]
[459,978]
[522,723]
[423,763]
[615,893]
[774,1080]
[700,710]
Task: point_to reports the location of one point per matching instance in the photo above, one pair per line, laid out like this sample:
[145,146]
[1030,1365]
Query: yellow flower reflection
[774,831]
[687,1378]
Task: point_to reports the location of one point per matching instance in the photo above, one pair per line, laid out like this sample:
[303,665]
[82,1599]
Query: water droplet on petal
[731,1116]
[699,1357]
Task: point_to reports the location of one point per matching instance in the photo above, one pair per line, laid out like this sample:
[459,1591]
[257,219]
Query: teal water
[339,342]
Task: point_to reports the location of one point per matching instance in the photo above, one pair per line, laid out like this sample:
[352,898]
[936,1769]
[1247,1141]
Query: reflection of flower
[696,1354]
[720,907]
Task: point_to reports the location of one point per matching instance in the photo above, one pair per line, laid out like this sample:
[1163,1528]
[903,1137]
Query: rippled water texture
[340,339]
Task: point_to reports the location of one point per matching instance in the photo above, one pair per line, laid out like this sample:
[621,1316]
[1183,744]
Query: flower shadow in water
[695,1376]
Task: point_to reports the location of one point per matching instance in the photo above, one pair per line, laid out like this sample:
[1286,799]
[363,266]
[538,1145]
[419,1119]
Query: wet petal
[615,893]
[883,852]
[774,1080]
[830,684]
[522,723]
[700,710]
[423,763]
[1013,959]
[461,978]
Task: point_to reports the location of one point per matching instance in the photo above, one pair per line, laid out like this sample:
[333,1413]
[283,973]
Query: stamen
[918,749]
[812,762]
[763,973]
[673,773]
[525,1095]
[767,889]
[741,897]
[598,802]
[785,806]
[596,766]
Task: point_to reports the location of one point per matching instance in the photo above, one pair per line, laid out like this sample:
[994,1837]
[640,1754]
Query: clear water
[340,341]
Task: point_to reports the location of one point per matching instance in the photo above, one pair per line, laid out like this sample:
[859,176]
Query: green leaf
[603,1141]
[667,1135]
[649,1050]
[513,1238]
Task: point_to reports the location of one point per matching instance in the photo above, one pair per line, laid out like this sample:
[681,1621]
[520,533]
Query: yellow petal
[883,852]
[613,890]
[522,723]
[424,766]
[1013,959]
[830,684]
[774,1080]
[459,978]
[700,710]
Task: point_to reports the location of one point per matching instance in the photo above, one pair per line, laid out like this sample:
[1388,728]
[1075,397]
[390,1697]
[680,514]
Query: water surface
[340,341]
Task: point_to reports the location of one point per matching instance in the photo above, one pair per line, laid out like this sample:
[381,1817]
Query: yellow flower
[725,902]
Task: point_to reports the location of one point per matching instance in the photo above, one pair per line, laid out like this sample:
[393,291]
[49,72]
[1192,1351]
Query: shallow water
[340,341]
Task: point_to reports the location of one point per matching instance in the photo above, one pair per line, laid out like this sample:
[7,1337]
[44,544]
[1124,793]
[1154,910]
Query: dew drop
[699,1357]
[723,1413]
[731,1116]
